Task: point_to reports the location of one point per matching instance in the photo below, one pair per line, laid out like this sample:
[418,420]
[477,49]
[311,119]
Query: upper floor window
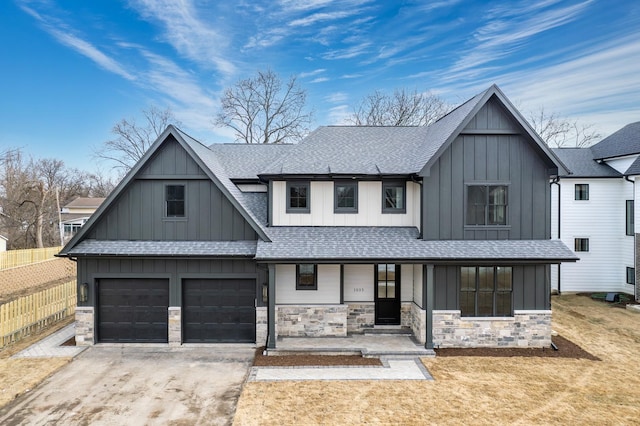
[487,205]
[485,291]
[393,197]
[581,244]
[306,276]
[630,226]
[174,200]
[582,191]
[345,197]
[298,197]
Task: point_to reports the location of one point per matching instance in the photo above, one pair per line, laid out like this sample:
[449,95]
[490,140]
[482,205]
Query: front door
[387,295]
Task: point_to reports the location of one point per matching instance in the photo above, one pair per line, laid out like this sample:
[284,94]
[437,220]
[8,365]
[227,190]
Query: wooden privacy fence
[28,314]
[13,258]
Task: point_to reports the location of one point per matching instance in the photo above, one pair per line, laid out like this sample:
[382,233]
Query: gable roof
[247,161]
[380,150]
[85,202]
[205,159]
[582,163]
[625,141]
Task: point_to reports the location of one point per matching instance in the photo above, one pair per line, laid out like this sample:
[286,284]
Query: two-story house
[444,230]
[76,213]
[594,214]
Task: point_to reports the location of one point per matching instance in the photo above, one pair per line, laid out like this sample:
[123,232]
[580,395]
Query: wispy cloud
[319,80]
[336,97]
[311,73]
[191,36]
[348,52]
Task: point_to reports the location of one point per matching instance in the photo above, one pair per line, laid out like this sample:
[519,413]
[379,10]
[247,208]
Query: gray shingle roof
[164,248]
[247,161]
[581,163]
[634,168]
[625,141]
[399,243]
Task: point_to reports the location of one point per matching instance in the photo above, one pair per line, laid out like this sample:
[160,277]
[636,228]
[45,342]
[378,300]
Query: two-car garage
[214,310]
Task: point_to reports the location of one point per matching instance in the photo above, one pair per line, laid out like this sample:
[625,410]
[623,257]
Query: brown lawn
[20,375]
[482,390]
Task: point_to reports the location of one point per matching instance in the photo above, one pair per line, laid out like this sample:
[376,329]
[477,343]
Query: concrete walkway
[49,347]
[392,369]
[366,344]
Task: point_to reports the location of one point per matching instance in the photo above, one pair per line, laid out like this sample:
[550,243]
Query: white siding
[248,187]
[417,285]
[623,163]
[328,286]
[601,219]
[359,283]
[406,283]
[369,207]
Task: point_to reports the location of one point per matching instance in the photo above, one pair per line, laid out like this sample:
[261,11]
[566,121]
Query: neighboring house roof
[247,161]
[85,203]
[399,243]
[581,163]
[72,217]
[625,141]
[379,150]
[164,248]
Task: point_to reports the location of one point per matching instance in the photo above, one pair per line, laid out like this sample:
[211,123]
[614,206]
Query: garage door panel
[219,310]
[133,310]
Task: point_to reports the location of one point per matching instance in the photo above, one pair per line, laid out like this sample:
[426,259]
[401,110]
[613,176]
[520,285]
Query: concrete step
[389,330]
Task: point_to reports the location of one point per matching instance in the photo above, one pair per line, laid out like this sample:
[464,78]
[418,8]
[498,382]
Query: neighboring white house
[593,213]
[76,213]
[3,243]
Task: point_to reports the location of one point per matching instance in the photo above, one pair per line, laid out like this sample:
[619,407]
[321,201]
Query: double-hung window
[345,197]
[582,191]
[394,197]
[485,291]
[298,197]
[306,276]
[487,205]
[174,201]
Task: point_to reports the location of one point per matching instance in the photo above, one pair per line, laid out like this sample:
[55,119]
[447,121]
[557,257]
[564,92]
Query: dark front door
[133,310]
[219,310]
[387,294]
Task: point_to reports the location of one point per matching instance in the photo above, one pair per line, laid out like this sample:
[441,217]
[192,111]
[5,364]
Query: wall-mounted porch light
[265,292]
[84,292]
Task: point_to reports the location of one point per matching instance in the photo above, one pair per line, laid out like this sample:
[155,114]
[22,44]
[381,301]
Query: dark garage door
[219,310]
[133,310]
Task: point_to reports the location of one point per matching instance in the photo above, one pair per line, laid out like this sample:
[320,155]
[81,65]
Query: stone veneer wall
[85,323]
[418,323]
[524,329]
[405,314]
[311,320]
[175,325]
[360,317]
[262,326]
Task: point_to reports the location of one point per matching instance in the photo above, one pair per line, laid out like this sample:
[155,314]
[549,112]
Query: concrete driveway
[139,385]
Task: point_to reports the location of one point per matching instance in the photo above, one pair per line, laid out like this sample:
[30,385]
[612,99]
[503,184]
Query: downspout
[419,182]
[556,181]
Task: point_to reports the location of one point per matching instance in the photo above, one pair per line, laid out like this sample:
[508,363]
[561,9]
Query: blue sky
[72,69]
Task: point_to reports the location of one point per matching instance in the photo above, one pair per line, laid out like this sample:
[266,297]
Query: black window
[487,205]
[630,226]
[393,197]
[581,244]
[306,276]
[174,199]
[582,191]
[485,291]
[298,200]
[631,276]
[345,197]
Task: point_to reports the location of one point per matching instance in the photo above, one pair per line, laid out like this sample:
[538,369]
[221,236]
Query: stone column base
[262,327]
[85,326]
[175,325]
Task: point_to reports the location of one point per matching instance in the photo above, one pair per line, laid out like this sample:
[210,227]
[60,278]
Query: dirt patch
[566,349]
[620,300]
[261,360]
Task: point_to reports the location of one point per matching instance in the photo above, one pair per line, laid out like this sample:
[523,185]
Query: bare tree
[558,131]
[132,139]
[402,108]
[262,109]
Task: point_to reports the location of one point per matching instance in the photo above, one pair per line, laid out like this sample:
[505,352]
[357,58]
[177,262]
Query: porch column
[428,296]
[271,311]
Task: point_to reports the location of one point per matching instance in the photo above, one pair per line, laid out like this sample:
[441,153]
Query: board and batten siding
[139,212]
[506,157]
[417,285]
[92,269]
[322,207]
[531,287]
[328,291]
[601,219]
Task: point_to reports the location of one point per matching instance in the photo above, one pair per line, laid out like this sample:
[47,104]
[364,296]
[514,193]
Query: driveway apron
[139,385]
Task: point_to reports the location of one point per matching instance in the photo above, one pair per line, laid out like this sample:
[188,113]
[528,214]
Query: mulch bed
[566,349]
